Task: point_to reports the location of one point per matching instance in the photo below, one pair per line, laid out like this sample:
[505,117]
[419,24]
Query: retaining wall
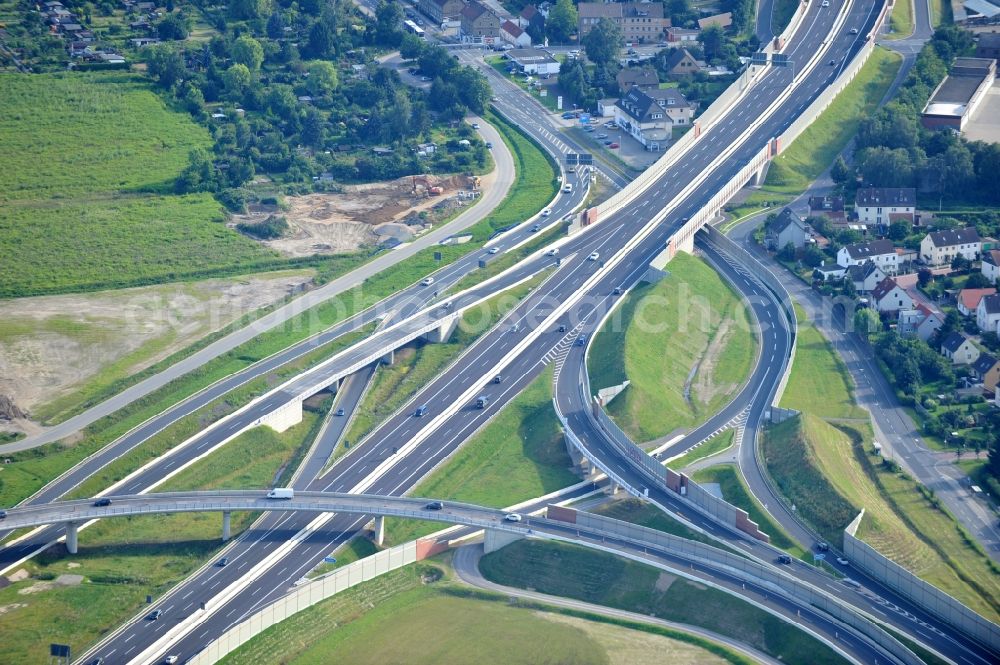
[921,593]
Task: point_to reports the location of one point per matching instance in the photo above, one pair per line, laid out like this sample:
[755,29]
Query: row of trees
[892,149]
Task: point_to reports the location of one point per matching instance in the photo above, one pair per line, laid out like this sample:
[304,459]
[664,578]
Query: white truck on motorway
[281,493]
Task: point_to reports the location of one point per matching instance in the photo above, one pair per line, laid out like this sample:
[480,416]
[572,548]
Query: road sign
[59,650]
[759,58]
[572,158]
[586,158]
[780,60]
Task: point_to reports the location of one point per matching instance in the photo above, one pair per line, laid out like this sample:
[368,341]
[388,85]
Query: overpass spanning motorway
[860,642]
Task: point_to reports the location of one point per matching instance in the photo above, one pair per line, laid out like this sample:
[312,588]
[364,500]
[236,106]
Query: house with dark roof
[650,115]
[831,207]
[880,252]
[988,313]
[888,296]
[680,64]
[479,23]
[884,205]
[644,78]
[968,300]
[991,265]
[940,247]
[787,228]
[865,277]
[959,349]
[531,18]
[986,370]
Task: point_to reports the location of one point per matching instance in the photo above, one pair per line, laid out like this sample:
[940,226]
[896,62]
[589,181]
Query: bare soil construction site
[367,215]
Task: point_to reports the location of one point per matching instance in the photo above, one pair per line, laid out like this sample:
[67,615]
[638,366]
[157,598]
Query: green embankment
[417,614]
[901,19]
[598,577]
[816,148]
[519,455]
[658,334]
[714,445]
[123,559]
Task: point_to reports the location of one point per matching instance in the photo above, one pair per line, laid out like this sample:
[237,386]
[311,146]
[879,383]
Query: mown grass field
[517,456]
[605,579]
[816,148]
[89,162]
[658,335]
[124,559]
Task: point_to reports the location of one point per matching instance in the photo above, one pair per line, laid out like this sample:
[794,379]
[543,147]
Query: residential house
[606,107]
[880,252]
[991,265]
[650,115]
[930,325]
[532,20]
[479,23]
[988,313]
[682,35]
[865,277]
[905,256]
[639,21]
[514,35]
[909,320]
[988,45]
[888,296]
[787,228]
[723,20]
[827,273]
[940,247]
[442,10]
[884,205]
[681,64]
[644,78]
[968,300]
[959,349]
[831,207]
[534,61]
[986,369]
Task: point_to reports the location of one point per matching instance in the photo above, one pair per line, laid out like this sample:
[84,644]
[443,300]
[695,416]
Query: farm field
[85,194]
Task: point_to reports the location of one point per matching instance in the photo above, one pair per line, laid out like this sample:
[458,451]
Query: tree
[236,79]
[867,322]
[978,280]
[172,28]
[248,51]
[320,40]
[388,23]
[473,89]
[960,263]
[562,20]
[602,42]
[840,172]
[712,40]
[275,26]
[813,256]
[165,65]
[312,128]
[924,276]
[787,253]
[411,47]
[323,78]
[899,230]
[884,167]
[249,8]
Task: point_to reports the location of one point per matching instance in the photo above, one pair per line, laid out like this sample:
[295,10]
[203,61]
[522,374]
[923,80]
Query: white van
[567,188]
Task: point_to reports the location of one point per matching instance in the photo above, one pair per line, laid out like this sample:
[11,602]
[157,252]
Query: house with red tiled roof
[968,300]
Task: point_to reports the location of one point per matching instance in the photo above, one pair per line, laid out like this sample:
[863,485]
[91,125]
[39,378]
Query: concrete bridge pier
[579,460]
[614,488]
[71,537]
[389,358]
[495,539]
[443,332]
[284,417]
[378,532]
[226,526]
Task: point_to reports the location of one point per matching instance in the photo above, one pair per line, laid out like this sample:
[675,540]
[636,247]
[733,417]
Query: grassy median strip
[685,344]
[604,579]
[714,445]
[816,148]
[517,456]
[122,559]
[901,19]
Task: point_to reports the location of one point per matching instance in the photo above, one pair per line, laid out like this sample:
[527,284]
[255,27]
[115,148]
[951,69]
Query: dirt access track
[364,215]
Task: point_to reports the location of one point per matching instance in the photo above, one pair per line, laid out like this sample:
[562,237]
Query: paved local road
[504,179]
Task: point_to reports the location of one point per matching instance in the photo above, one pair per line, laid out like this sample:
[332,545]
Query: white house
[968,300]
[940,247]
[650,115]
[534,61]
[929,325]
[959,349]
[884,205]
[865,277]
[991,265]
[879,252]
[888,296]
[514,35]
[988,313]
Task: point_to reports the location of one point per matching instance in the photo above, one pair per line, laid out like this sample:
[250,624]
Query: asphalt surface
[342,284]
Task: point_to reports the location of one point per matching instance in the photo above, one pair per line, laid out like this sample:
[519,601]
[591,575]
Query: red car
[614,146]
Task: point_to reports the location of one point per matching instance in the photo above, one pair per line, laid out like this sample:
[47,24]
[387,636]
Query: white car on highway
[512,517]
[427,281]
[493,250]
[552,252]
[546,212]
[594,256]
